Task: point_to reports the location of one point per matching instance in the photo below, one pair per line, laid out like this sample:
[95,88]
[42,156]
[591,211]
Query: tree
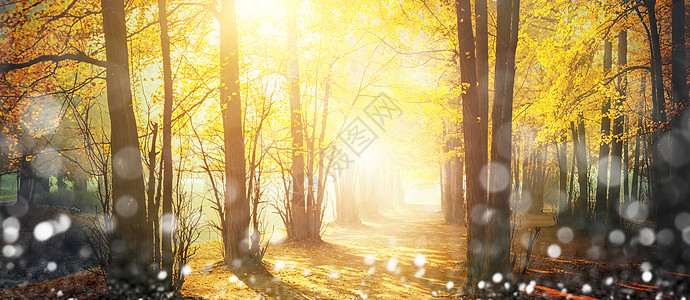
[600,204]
[127,274]
[617,137]
[300,227]
[453,197]
[236,202]
[475,145]
[498,254]
[679,75]
[580,209]
[166,241]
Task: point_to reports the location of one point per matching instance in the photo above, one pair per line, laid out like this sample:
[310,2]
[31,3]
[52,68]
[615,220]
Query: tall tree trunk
[167,232]
[534,183]
[679,75]
[562,148]
[157,256]
[346,210]
[151,206]
[481,13]
[456,203]
[659,109]
[446,177]
[572,181]
[525,192]
[26,182]
[300,226]
[617,136]
[626,159]
[475,145]
[502,115]
[322,177]
[636,164]
[674,173]
[125,275]
[516,175]
[604,148]
[459,211]
[660,171]
[236,203]
[580,211]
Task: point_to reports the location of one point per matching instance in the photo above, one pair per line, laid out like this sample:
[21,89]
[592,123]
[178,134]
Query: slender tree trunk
[456,201]
[535,183]
[461,190]
[580,211]
[679,75]
[617,136]
[125,275]
[236,203]
[659,109]
[445,176]
[151,194]
[300,226]
[525,192]
[26,179]
[626,160]
[636,164]
[61,185]
[660,172]
[167,232]
[322,178]
[475,145]
[604,149]
[562,148]
[442,188]
[156,221]
[572,182]
[347,212]
[644,168]
[516,175]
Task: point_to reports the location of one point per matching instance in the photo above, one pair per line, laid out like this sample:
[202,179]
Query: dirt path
[379,259]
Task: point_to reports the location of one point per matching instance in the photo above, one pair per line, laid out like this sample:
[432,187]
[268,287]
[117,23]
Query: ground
[407,253]
[373,260]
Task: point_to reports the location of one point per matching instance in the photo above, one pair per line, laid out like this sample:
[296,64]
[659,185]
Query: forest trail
[378,259]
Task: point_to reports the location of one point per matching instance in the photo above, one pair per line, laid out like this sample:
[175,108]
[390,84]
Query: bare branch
[81,57]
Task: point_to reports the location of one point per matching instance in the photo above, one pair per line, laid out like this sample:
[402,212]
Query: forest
[343,149]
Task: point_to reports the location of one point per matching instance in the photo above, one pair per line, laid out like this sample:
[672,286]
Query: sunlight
[256,7]
[257,12]
[349,149]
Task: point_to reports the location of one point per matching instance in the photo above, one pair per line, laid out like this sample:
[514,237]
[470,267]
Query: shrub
[75,201]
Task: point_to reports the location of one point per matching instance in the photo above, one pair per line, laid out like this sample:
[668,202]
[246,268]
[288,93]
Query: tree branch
[81,57]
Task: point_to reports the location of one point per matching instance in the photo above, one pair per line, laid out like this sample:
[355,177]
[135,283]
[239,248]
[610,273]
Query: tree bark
[502,116]
[346,210]
[562,172]
[580,211]
[125,275]
[236,202]
[475,145]
[604,148]
[25,192]
[626,160]
[636,164]
[481,13]
[300,226]
[166,152]
[617,136]
[152,207]
[679,75]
